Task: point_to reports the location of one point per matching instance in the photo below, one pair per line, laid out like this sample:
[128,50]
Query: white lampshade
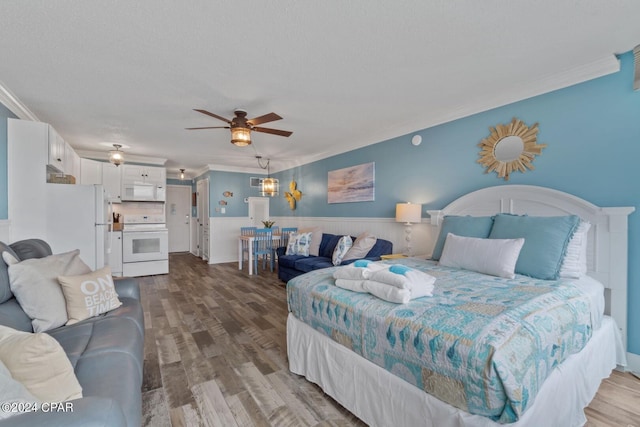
[408,212]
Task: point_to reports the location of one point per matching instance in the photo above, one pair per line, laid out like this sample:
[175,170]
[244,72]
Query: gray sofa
[106,353]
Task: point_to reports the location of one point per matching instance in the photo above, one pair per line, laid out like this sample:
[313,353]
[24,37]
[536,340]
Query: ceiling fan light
[240,136]
[116,156]
[270,187]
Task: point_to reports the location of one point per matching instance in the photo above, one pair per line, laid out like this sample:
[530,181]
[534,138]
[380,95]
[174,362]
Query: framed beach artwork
[352,184]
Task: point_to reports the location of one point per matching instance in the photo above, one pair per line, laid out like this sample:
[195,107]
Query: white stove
[145,245]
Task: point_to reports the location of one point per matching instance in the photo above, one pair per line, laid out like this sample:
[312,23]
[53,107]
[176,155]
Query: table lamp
[408,213]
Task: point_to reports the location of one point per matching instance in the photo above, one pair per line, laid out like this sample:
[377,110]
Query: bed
[368,379]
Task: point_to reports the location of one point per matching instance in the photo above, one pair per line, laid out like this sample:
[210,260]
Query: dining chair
[246,231]
[263,245]
[286,234]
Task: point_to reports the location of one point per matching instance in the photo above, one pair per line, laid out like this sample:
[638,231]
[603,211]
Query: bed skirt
[382,399]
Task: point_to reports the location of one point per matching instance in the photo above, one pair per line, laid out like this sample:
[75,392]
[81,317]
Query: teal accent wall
[593,134]
[4,115]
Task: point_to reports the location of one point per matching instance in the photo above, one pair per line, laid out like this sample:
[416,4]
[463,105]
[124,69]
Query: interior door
[258,210]
[178,217]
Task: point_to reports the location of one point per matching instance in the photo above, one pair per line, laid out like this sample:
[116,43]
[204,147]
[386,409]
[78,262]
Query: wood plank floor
[215,355]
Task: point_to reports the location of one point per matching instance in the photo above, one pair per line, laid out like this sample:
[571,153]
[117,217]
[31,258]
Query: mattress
[482,344]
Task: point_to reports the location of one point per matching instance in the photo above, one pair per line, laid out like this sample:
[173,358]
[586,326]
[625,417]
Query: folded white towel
[403,277]
[359,270]
[387,292]
[352,285]
[397,295]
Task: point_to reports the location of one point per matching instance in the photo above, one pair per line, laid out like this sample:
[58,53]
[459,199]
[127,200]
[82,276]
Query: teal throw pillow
[545,241]
[465,226]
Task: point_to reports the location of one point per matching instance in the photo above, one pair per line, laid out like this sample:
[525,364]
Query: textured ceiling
[342,74]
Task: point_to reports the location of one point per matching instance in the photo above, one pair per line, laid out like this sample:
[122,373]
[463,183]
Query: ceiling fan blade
[273,131]
[210,127]
[271,117]
[212,115]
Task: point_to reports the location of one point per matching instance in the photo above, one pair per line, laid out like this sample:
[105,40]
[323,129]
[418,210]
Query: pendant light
[116,156]
[270,186]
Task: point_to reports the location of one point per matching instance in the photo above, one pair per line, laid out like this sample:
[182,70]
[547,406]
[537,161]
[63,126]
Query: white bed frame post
[618,262]
[607,250]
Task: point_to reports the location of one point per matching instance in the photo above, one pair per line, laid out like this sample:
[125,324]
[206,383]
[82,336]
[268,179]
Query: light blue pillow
[341,249]
[465,226]
[545,241]
[299,244]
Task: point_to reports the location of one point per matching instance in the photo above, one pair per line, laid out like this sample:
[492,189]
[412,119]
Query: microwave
[140,192]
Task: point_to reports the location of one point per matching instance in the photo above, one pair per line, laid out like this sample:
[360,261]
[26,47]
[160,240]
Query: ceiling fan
[241,127]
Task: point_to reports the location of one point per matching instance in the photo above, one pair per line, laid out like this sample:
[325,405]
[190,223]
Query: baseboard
[633,362]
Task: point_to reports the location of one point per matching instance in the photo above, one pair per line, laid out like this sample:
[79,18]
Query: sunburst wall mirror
[510,147]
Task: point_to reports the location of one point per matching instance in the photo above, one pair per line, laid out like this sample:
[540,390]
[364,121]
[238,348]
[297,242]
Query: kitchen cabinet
[112,181]
[134,174]
[71,162]
[90,172]
[56,146]
[115,257]
[27,155]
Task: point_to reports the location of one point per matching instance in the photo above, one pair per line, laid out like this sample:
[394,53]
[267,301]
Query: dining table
[250,239]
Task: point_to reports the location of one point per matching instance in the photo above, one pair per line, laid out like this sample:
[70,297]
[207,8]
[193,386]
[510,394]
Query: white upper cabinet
[90,172]
[112,181]
[56,150]
[71,162]
[134,174]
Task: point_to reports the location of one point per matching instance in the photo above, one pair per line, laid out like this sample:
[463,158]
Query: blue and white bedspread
[481,343]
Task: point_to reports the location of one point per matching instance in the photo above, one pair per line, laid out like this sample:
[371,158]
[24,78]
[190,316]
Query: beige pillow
[361,247]
[34,282]
[89,294]
[316,239]
[39,363]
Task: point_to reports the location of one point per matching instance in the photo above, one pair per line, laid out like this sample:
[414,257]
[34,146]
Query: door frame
[202,209]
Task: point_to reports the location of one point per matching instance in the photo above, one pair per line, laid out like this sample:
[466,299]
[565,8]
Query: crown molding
[16,106]
[128,158]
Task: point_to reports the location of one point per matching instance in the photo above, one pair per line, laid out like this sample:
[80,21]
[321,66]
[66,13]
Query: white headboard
[607,241]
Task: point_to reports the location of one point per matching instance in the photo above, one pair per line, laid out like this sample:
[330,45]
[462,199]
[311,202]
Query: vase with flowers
[268,224]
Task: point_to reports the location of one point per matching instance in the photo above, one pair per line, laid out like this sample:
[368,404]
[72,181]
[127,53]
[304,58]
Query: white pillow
[574,263]
[361,247]
[496,257]
[89,295]
[344,244]
[39,363]
[34,282]
[299,244]
[12,391]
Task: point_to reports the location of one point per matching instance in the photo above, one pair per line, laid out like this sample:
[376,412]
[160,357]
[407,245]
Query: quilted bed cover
[480,343]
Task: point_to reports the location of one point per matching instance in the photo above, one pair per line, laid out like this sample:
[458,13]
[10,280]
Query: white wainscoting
[5,231]
[225,230]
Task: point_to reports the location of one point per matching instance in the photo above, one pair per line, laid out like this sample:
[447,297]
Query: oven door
[145,246]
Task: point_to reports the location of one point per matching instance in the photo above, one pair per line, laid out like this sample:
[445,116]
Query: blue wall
[236,183]
[4,114]
[593,134]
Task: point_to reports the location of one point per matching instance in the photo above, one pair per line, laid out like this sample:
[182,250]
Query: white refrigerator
[79,217]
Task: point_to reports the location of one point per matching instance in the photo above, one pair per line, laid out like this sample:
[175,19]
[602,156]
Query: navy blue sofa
[290,266]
